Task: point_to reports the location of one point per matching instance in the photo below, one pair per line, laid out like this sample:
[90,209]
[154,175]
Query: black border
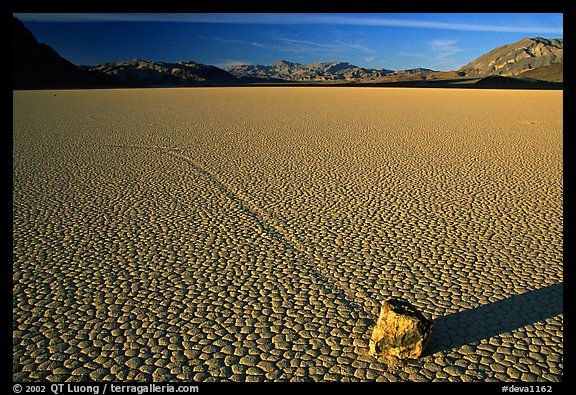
[314,6]
[321,6]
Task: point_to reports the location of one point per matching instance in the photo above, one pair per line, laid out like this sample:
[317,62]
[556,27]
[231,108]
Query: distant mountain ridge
[522,58]
[418,70]
[143,72]
[322,71]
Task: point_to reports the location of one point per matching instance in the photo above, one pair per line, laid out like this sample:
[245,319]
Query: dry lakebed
[251,233]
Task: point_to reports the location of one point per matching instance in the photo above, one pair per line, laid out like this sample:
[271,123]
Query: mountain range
[525,63]
[323,71]
[142,72]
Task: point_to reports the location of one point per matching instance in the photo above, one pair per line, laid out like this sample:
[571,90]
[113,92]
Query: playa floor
[250,234]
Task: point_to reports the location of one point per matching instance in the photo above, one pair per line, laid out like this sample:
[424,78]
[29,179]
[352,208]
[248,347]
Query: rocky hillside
[37,65]
[145,73]
[323,71]
[419,71]
[516,58]
[551,73]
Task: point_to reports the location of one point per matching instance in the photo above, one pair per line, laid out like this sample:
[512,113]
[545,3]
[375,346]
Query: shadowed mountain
[516,58]
[37,65]
[139,72]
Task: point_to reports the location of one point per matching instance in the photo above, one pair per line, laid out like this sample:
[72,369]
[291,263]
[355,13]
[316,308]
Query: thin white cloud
[443,48]
[284,19]
[305,42]
[299,46]
[442,52]
[411,54]
[356,46]
[318,48]
[234,41]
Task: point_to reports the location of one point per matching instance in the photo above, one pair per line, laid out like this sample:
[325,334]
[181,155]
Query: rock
[401,331]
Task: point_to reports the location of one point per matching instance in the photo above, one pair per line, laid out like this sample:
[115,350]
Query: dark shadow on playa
[471,326]
[490,82]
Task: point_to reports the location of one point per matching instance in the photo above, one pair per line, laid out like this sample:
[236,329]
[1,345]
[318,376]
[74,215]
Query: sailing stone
[401,331]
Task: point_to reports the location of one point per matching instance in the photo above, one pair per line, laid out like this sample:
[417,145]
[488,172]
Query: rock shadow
[473,325]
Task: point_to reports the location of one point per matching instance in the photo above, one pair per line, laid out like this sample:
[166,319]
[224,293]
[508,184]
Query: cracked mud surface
[250,234]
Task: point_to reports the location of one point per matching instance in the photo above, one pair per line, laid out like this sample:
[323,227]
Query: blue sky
[392,41]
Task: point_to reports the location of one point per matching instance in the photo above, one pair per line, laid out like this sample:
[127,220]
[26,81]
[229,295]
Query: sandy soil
[249,234]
